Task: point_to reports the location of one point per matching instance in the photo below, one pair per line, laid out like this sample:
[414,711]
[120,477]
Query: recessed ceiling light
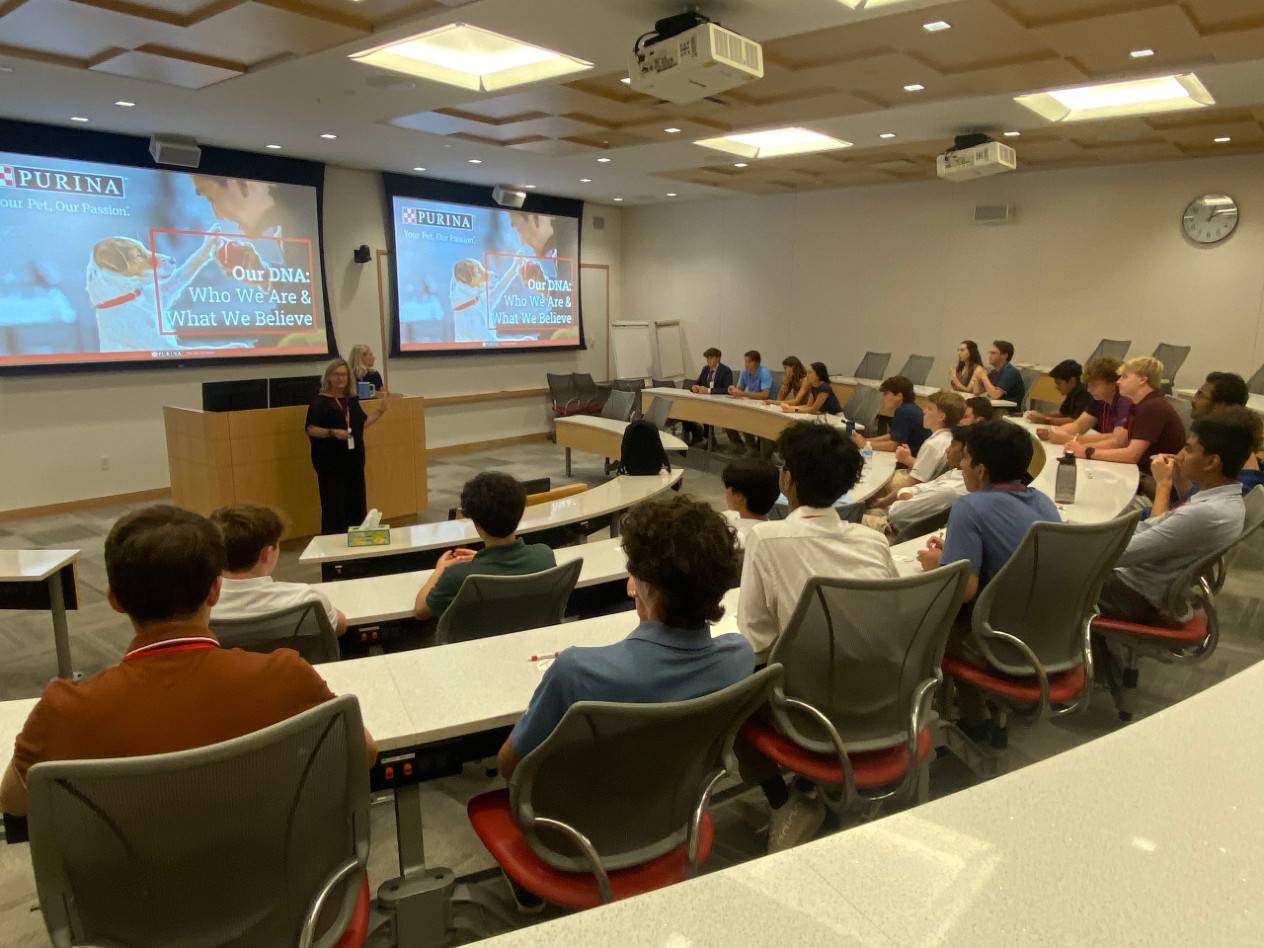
[273,147]
[585,180]
[914,87]
[937,26]
[471,58]
[671,194]
[887,135]
[773,143]
[124,104]
[1012,134]
[1222,140]
[1113,99]
[868,4]
[626,80]
[330,136]
[529,187]
[77,118]
[672,131]
[1141,53]
[475,161]
[419,168]
[739,164]
[605,161]
[619,199]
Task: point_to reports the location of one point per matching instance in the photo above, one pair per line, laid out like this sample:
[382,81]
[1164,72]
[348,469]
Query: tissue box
[369,536]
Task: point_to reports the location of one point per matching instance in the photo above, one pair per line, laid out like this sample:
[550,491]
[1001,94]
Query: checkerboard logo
[7,179]
[410,215]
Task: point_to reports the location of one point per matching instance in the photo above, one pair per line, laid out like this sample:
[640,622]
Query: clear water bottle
[867,452]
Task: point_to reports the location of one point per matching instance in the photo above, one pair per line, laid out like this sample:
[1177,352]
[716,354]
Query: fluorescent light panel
[937,26]
[774,143]
[1141,53]
[1115,99]
[471,58]
[869,4]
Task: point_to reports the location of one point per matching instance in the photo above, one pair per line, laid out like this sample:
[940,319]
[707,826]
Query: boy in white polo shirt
[252,537]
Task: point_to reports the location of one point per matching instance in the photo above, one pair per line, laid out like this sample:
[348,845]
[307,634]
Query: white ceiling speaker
[175,150]
[507,197]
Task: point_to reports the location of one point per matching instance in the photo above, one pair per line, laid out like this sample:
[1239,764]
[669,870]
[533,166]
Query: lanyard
[1009,486]
[346,410]
[192,644]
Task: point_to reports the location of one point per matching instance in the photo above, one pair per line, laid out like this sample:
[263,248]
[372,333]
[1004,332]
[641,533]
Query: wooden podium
[263,456]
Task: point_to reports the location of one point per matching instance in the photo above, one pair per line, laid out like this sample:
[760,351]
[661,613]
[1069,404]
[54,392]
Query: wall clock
[1210,219]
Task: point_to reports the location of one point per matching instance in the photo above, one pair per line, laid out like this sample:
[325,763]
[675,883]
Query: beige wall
[902,268]
[56,428]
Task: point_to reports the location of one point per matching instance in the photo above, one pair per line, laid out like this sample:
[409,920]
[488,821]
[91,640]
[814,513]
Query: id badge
[350,442]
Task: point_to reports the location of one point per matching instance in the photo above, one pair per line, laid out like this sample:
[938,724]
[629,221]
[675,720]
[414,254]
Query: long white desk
[43,579]
[611,497]
[748,415]
[921,391]
[385,598]
[1144,836]
[601,436]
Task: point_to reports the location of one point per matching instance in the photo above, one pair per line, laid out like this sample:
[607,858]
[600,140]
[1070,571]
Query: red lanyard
[1010,486]
[192,644]
[346,410]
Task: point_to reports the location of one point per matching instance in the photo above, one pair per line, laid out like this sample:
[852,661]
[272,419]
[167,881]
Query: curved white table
[617,494]
[747,415]
[601,436]
[921,391]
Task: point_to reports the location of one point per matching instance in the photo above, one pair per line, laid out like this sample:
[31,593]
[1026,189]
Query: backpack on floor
[642,451]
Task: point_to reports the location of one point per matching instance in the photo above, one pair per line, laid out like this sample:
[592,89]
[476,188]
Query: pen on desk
[541,658]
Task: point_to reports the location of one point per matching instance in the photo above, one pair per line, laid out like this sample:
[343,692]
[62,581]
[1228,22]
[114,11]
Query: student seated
[899,402]
[821,398]
[494,502]
[943,412]
[987,525]
[920,501]
[1170,541]
[1250,477]
[1003,380]
[751,487]
[175,688]
[794,382]
[819,465]
[754,382]
[1076,399]
[682,559]
[252,544]
[1225,392]
[1153,426]
[1108,411]
[978,409]
[714,379]
[968,374]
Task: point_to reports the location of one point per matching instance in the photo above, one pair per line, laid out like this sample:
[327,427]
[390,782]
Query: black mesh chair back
[1115,348]
[873,365]
[495,605]
[228,844]
[633,779]
[1046,594]
[1184,408]
[563,393]
[1030,377]
[586,389]
[629,385]
[859,651]
[304,628]
[1255,385]
[664,383]
[916,369]
[658,412]
[620,405]
[778,376]
[863,406]
[1172,357]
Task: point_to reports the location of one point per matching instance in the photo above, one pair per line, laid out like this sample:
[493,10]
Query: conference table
[601,436]
[604,500]
[43,579]
[849,383]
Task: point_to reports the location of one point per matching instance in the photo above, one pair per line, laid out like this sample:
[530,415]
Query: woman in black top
[335,425]
[968,374]
[361,362]
[821,397]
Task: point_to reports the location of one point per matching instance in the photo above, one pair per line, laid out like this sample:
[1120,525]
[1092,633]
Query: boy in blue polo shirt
[755,381]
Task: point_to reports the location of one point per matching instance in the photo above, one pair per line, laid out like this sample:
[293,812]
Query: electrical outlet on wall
[105,462]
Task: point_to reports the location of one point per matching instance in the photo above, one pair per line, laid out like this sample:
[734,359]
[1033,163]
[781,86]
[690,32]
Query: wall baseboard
[87,503]
[471,446]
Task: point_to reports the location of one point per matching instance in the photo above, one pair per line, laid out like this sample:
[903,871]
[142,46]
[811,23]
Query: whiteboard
[670,340]
[632,345]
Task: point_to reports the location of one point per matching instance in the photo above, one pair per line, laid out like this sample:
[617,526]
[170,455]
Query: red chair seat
[358,927]
[1063,687]
[1191,633]
[873,769]
[494,823]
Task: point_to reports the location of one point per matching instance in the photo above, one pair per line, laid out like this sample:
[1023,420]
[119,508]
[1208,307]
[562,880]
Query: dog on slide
[121,288]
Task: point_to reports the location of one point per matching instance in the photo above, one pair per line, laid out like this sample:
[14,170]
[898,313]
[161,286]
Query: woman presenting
[336,425]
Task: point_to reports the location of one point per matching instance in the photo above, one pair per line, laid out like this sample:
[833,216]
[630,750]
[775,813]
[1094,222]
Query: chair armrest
[1042,677]
[844,762]
[308,934]
[587,848]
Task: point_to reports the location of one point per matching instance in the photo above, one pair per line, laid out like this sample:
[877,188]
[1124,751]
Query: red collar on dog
[119,300]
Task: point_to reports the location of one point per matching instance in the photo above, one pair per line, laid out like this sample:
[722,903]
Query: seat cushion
[871,770]
[493,821]
[358,927]
[1064,687]
[1191,633]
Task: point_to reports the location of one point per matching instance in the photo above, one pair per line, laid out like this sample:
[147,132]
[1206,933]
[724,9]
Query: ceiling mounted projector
[975,156]
[687,57]
[174,150]
[506,197]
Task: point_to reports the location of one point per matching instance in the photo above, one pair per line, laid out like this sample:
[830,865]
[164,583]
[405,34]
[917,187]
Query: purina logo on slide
[424,215]
[70,182]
